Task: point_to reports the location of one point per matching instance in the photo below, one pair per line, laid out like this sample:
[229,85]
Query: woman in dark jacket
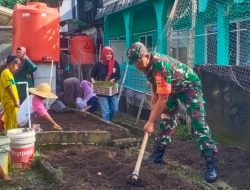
[107,69]
[24,73]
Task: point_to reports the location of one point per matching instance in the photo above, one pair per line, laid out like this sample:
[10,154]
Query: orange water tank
[36,27]
[82,50]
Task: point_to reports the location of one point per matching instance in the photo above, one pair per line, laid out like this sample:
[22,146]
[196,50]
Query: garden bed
[93,167]
[106,167]
[79,121]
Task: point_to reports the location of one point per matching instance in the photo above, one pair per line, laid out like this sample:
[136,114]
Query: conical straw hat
[43,90]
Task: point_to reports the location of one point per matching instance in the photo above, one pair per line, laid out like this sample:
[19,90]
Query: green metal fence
[135,79]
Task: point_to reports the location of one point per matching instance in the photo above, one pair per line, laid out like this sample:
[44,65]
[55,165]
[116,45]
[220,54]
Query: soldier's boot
[211,167]
[157,155]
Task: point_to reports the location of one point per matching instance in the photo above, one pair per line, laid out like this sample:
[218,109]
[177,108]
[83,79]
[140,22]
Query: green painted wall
[144,22]
[222,36]
[199,58]
[116,26]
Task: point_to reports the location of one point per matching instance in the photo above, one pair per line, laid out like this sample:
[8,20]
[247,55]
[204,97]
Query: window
[239,43]
[147,41]
[179,46]
[64,43]
[211,45]
[88,6]
[244,45]
[232,43]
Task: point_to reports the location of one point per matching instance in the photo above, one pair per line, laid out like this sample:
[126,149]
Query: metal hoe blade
[135,181]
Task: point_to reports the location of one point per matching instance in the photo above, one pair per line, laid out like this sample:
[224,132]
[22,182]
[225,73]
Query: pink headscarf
[110,63]
[87,89]
[23,53]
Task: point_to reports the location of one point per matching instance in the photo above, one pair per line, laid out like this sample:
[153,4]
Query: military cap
[135,52]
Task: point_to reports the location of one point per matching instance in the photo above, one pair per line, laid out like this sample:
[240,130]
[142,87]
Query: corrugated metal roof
[5,34]
[5,25]
[5,16]
[117,6]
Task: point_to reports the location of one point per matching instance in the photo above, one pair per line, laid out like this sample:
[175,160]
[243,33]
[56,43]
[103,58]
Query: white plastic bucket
[22,147]
[4,153]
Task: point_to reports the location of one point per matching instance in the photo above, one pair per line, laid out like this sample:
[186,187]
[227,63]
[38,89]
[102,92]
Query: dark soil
[75,122]
[233,162]
[92,167]
[106,168]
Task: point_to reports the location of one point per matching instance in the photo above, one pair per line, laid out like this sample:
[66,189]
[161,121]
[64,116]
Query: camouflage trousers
[194,102]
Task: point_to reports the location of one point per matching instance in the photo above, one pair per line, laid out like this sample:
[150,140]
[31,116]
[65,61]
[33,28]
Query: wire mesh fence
[214,34]
[211,33]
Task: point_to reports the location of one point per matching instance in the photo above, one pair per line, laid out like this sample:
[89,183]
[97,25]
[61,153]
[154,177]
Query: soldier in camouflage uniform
[172,81]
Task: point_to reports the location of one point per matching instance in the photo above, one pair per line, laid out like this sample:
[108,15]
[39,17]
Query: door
[119,48]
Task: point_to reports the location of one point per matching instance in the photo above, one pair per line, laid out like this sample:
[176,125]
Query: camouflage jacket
[168,75]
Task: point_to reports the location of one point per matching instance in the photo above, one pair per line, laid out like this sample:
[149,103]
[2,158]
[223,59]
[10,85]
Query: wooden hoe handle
[135,173]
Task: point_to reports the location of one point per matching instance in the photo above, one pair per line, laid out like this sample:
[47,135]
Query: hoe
[134,179]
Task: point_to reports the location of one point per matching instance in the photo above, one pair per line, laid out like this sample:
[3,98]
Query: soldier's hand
[149,127]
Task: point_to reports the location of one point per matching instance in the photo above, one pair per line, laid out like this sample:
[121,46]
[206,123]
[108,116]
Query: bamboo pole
[191,47]
[170,29]
[191,40]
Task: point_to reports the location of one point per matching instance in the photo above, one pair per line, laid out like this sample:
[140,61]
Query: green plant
[131,150]
[8,3]
[3,185]
[182,132]
[13,169]
[37,159]
[104,84]
[59,173]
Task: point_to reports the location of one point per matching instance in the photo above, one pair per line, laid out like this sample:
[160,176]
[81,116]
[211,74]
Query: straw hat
[43,90]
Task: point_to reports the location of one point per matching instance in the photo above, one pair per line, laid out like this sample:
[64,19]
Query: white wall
[65,13]
[66,10]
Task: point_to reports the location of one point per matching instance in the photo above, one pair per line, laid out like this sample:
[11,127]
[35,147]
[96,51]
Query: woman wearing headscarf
[71,91]
[107,69]
[89,100]
[25,72]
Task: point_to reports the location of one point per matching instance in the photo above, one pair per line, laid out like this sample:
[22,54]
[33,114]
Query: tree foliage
[11,3]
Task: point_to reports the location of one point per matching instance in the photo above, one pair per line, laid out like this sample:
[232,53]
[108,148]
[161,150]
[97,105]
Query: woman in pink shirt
[42,92]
